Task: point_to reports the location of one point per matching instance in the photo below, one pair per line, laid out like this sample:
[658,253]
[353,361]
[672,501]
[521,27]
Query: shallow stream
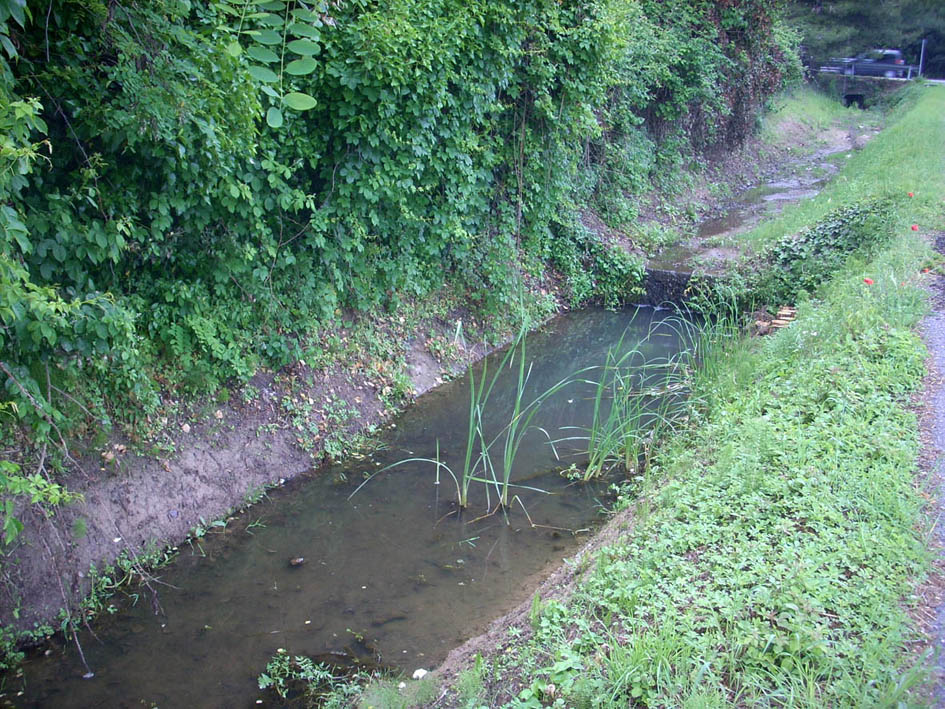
[391,574]
[798,181]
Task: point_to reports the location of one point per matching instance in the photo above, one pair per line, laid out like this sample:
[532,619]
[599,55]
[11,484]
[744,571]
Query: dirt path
[932,425]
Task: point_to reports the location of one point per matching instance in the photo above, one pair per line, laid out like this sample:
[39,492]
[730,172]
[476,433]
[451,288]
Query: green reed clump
[491,466]
[635,400]
[489,458]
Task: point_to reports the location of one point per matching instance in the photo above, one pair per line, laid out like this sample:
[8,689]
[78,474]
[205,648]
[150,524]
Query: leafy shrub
[804,260]
[798,263]
[184,225]
[594,270]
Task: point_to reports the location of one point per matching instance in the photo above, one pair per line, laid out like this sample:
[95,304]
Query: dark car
[876,62]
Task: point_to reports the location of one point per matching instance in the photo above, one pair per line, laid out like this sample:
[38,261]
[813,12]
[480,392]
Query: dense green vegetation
[192,191]
[771,566]
[771,558]
[878,172]
[843,28]
[168,221]
[773,554]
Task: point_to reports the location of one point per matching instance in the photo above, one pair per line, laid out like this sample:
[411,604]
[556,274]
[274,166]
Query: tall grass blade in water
[520,422]
[717,345]
[635,400]
[481,462]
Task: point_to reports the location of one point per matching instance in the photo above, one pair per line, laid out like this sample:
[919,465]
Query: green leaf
[7,45]
[305,47]
[300,67]
[273,6]
[274,117]
[269,91]
[234,49]
[302,30]
[272,20]
[299,101]
[16,8]
[261,73]
[267,36]
[304,15]
[261,54]
[11,528]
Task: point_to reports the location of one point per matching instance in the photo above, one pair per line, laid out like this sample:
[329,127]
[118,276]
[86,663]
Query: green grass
[772,564]
[482,463]
[636,401]
[807,106]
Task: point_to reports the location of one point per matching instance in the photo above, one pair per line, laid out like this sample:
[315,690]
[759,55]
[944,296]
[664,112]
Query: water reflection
[390,570]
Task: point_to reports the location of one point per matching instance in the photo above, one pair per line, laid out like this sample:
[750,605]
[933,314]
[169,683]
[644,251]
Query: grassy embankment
[775,558]
[809,108]
[775,562]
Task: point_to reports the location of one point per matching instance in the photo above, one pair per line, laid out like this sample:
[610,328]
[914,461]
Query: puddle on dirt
[387,571]
[745,211]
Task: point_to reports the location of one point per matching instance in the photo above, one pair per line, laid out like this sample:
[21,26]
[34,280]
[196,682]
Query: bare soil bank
[134,503]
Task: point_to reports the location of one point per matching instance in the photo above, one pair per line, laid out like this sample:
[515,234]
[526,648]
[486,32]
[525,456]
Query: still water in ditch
[800,181]
[389,571]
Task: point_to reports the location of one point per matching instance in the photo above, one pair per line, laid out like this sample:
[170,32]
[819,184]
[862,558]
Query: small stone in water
[297,561]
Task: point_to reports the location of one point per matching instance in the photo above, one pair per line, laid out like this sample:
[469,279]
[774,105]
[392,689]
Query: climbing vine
[188,189]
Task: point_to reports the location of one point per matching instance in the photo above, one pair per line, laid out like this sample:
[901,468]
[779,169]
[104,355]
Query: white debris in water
[420,674]
[116,540]
[308,622]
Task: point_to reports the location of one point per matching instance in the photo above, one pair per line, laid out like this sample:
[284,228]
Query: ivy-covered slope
[190,190]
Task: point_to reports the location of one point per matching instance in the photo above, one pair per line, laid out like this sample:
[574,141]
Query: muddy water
[750,207]
[389,570]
